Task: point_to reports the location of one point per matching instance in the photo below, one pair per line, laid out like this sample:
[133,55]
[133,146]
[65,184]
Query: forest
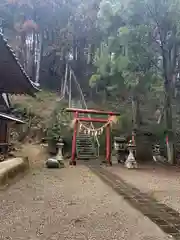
[123,52]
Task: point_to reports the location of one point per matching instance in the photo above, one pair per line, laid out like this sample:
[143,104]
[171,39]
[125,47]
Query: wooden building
[13,80]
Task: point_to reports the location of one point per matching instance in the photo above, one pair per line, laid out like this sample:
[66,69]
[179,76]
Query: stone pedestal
[114,159]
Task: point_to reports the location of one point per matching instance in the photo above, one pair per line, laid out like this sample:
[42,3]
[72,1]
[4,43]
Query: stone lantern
[156,153]
[130,162]
[120,147]
[58,160]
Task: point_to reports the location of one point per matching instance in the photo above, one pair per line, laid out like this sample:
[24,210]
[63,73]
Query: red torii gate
[76,112]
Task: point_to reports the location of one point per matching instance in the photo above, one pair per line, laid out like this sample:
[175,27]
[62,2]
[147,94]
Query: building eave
[11,118]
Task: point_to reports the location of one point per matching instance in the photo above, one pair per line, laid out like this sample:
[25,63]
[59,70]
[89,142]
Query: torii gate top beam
[92,111]
[99,120]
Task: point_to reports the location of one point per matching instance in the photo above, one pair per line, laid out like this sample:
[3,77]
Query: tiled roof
[13,78]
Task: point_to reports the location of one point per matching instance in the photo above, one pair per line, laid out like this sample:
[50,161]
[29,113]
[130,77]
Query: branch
[155,65]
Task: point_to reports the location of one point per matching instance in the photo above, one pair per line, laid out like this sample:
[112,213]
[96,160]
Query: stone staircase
[85,144]
[85,147]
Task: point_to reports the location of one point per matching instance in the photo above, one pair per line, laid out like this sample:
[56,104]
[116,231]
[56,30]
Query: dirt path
[70,203]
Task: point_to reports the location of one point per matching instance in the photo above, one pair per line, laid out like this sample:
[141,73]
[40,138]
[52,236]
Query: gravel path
[70,203]
[159,182]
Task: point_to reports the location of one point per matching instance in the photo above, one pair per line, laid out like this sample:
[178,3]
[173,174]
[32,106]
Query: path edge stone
[12,168]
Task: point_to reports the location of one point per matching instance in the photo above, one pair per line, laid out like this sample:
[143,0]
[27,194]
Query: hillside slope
[43,105]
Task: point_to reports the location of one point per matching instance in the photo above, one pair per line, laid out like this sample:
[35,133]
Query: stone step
[88,138]
[84,134]
[87,152]
[86,157]
[80,150]
[84,145]
[85,140]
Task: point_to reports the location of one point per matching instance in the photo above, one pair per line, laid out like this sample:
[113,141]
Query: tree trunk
[74,50]
[169,65]
[135,112]
[169,125]
[22,52]
[39,54]
[34,57]
[136,122]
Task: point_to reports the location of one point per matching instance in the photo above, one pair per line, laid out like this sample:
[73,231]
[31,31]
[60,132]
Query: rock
[52,163]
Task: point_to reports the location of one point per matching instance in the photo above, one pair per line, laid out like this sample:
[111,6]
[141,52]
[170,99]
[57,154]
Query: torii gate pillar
[108,144]
[73,156]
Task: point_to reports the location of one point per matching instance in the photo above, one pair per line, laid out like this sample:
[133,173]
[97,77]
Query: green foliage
[122,59]
[125,123]
[54,129]
[134,44]
[131,48]
[94,79]
[23,111]
[59,124]
[67,25]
